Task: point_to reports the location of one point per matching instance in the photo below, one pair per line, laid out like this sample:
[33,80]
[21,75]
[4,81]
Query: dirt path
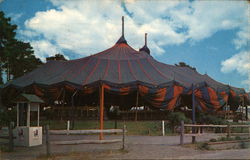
[137,147]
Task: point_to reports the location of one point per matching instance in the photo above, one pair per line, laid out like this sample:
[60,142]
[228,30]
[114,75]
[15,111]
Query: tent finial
[122,25]
[145,47]
[122,39]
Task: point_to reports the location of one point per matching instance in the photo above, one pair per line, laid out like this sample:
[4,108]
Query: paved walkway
[137,147]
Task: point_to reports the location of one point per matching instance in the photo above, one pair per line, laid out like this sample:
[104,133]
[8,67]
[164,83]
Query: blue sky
[212,36]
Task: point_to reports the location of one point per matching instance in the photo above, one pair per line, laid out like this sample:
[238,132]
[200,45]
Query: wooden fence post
[248,131]
[123,136]
[68,127]
[47,140]
[182,133]
[228,131]
[163,128]
[11,142]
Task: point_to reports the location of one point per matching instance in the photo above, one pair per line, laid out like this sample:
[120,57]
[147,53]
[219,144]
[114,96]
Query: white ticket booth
[27,133]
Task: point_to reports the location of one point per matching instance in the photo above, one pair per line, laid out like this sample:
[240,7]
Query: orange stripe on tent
[160,95]
[198,94]
[232,93]
[124,91]
[177,91]
[106,87]
[203,106]
[224,96]
[143,90]
[213,98]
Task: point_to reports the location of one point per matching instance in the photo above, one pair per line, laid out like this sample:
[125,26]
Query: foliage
[4,148]
[203,146]
[7,116]
[225,139]
[213,140]
[238,138]
[183,64]
[244,145]
[56,57]
[17,57]
[208,118]
[175,119]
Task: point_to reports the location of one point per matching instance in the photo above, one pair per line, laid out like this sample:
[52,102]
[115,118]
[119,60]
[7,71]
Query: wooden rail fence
[10,137]
[75,142]
[200,126]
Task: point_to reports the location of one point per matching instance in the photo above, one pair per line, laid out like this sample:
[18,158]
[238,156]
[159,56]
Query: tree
[183,64]
[7,34]
[56,57]
[21,59]
[17,57]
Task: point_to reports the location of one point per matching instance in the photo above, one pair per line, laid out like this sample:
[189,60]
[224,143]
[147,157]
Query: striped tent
[124,71]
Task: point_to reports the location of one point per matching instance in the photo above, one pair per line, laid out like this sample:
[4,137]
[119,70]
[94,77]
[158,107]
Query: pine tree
[16,57]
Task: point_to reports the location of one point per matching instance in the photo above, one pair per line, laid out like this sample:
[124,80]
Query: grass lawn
[133,127]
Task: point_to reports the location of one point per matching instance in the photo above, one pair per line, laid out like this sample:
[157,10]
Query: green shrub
[212,140]
[209,118]
[4,148]
[7,116]
[203,146]
[222,139]
[238,138]
[175,119]
[225,139]
[244,145]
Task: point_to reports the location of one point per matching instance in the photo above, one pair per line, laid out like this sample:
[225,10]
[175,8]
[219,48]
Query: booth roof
[28,98]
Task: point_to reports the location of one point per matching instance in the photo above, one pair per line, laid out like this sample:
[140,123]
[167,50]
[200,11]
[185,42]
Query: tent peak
[145,47]
[122,38]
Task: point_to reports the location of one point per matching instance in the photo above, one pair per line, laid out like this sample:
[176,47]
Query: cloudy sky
[212,36]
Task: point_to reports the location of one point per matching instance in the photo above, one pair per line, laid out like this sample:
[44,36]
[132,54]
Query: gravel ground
[137,147]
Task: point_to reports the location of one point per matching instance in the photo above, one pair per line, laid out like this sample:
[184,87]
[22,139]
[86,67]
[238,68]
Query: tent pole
[61,111]
[28,115]
[136,105]
[245,108]
[73,108]
[193,113]
[101,110]
[17,115]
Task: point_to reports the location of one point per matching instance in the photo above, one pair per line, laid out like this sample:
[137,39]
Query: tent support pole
[246,110]
[193,113]
[17,114]
[101,111]
[61,111]
[73,110]
[137,98]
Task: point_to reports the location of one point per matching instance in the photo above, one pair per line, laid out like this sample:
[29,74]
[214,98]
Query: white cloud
[243,37]
[87,27]
[44,49]
[239,62]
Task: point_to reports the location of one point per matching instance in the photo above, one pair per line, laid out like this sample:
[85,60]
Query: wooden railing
[200,126]
[75,142]
[10,137]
